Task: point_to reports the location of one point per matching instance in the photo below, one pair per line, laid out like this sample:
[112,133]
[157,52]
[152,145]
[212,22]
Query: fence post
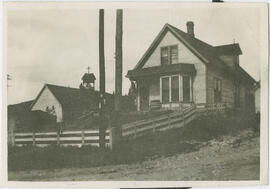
[82,137]
[154,127]
[58,138]
[169,120]
[135,131]
[183,116]
[114,137]
[34,139]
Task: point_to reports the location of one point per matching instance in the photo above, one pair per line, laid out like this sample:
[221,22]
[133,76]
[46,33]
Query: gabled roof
[88,77]
[161,70]
[180,35]
[207,53]
[73,99]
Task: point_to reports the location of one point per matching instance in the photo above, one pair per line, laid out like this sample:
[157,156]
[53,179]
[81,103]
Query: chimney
[190,28]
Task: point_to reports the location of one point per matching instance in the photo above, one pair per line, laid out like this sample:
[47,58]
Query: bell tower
[88,80]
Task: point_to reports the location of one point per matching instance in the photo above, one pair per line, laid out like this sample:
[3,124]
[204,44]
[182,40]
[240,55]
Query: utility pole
[102,127]
[118,59]
[116,128]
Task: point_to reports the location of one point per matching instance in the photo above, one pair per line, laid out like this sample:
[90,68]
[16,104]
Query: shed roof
[162,70]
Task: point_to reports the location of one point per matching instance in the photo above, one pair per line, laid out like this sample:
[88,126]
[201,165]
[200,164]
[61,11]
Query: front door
[144,98]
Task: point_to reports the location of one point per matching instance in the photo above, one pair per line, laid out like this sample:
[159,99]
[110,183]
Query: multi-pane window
[217,90]
[164,56]
[165,90]
[170,89]
[175,88]
[173,54]
[169,55]
[186,88]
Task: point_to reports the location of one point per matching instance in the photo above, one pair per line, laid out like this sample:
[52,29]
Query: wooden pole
[116,129]
[118,59]
[101,78]
[101,52]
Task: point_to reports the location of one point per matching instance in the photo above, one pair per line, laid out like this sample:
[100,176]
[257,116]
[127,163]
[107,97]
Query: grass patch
[160,144]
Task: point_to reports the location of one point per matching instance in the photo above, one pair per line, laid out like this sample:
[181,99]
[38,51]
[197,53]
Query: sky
[56,45]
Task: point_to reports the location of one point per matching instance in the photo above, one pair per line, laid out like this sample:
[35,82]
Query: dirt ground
[233,158]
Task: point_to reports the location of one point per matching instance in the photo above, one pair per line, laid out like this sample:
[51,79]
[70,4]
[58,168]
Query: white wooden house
[179,69]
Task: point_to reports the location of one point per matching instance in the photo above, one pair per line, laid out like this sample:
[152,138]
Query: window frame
[190,88]
[169,58]
[180,88]
[219,97]
[161,89]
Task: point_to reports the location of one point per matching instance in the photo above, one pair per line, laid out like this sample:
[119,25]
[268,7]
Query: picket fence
[176,119]
[66,138]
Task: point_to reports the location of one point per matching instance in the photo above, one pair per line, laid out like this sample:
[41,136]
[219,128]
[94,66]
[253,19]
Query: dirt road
[235,158]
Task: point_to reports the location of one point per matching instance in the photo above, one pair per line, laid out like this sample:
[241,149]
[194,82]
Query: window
[170,89]
[217,90]
[175,88]
[174,54]
[169,55]
[186,88]
[164,56]
[165,90]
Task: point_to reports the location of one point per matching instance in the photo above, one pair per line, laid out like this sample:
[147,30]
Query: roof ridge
[53,85]
[187,35]
[226,45]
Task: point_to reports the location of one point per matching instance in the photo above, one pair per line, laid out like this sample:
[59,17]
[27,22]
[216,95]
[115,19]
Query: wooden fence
[176,119]
[74,138]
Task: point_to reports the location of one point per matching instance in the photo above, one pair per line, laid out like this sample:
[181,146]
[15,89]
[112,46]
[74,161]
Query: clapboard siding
[184,56]
[227,86]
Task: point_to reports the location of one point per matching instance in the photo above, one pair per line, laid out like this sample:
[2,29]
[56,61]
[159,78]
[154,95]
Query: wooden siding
[258,100]
[184,56]
[227,88]
[230,60]
[47,99]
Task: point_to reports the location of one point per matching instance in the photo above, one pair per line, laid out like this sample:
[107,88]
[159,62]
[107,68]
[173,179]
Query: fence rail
[176,119]
[66,138]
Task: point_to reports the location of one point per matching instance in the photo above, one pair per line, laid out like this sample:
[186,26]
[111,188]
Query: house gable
[184,54]
[47,99]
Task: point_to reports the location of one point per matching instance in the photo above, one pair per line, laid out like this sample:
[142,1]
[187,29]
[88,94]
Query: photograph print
[135,92]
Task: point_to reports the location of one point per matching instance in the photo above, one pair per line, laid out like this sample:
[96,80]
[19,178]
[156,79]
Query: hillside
[234,158]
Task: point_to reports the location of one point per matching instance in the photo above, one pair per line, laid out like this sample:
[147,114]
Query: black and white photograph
[135,91]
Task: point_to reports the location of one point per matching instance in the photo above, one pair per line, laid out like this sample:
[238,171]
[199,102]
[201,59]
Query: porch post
[180,88]
[191,88]
[160,90]
[138,96]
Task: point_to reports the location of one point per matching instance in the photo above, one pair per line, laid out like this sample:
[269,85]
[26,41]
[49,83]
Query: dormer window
[169,55]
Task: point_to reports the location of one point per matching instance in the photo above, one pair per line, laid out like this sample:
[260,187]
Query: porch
[169,92]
